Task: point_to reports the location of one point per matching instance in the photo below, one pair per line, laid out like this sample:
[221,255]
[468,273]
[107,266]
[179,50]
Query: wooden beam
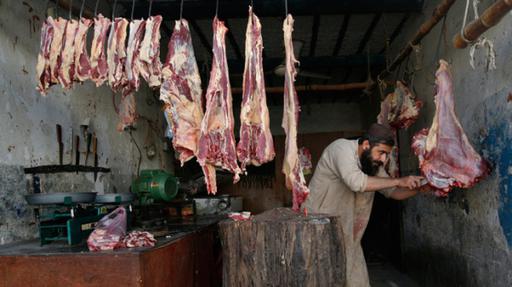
[201,36]
[232,41]
[313,88]
[490,17]
[314,35]
[439,12]
[341,35]
[368,33]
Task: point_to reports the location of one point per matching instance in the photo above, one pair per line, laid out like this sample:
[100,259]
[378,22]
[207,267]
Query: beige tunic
[337,188]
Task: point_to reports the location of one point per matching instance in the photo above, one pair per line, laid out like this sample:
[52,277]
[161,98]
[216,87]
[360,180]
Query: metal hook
[96,8]
[286,8]
[114,11]
[46,8]
[181,10]
[217,9]
[133,8]
[150,6]
[82,8]
[70,9]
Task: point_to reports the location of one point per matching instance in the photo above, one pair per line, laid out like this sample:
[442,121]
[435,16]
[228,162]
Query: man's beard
[368,165]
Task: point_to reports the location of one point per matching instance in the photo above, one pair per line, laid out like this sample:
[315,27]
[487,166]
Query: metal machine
[155,186]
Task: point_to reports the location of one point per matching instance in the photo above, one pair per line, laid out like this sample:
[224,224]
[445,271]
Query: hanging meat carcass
[149,57]
[181,92]
[116,54]
[256,145]
[137,28]
[446,156]
[43,71]
[127,110]
[66,65]
[216,140]
[82,64]
[291,166]
[399,110]
[59,28]
[99,65]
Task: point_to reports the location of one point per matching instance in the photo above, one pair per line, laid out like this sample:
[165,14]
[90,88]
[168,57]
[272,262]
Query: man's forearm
[376,183]
[403,193]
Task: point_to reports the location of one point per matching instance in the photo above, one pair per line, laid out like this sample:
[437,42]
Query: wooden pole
[439,12]
[489,18]
[314,88]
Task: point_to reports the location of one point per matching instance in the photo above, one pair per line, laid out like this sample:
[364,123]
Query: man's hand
[410,182]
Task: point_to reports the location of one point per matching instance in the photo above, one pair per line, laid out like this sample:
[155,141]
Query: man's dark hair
[378,134]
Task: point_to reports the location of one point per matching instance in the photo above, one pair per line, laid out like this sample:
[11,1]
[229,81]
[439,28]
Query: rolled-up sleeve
[346,167]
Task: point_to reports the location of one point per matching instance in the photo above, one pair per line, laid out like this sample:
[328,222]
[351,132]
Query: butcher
[344,183]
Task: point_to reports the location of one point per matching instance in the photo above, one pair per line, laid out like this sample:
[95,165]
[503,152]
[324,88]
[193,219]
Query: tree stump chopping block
[281,247]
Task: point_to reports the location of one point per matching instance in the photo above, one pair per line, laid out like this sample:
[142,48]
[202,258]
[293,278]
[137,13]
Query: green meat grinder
[155,186]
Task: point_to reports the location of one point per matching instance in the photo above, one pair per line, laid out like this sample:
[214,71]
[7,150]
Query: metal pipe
[439,12]
[314,88]
[489,18]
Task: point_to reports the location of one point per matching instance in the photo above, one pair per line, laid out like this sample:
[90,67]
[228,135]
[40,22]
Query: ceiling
[338,35]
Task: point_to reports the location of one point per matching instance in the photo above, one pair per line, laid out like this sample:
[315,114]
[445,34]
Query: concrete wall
[27,125]
[464,240]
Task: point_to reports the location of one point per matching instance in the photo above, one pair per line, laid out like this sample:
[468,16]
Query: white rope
[482,42]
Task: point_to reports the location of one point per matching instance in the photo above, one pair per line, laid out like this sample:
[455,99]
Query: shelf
[64,168]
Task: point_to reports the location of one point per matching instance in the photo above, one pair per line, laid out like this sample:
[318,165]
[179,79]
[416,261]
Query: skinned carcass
[256,145]
[446,156]
[292,169]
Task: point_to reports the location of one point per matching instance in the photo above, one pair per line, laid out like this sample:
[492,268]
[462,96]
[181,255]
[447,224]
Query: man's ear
[366,145]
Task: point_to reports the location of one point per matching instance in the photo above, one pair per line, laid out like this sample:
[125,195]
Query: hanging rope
[482,42]
[82,9]
[150,6]
[133,9]
[70,9]
[96,8]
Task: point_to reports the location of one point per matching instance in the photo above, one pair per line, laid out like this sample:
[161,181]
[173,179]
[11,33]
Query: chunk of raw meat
[66,67]
[99,65]
[399,110]
[138,239]
[149,59]
[127,110]
[82,65]
[181,92]
[291,166]
[44,76]
[137,28]
[116,54]
[256,145]
[59,28]
[217,140]
[446,156]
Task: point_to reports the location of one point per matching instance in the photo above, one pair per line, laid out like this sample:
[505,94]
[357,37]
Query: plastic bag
[109,232]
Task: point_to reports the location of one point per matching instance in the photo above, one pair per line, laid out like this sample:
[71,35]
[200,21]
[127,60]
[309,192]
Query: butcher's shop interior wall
[28,120]
[465,240]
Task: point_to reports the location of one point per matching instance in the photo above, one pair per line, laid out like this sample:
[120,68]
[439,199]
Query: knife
[95,153]
[88,150]
[59,142]
[77,152]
